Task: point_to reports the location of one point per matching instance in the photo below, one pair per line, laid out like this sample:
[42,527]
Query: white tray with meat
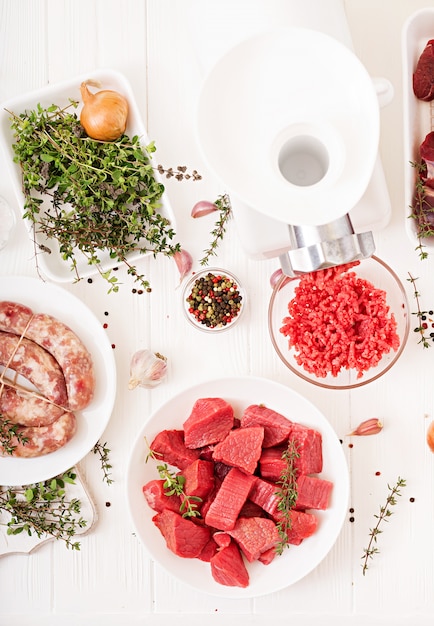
[418,102]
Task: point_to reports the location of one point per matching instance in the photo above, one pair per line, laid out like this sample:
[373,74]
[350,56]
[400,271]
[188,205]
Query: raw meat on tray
[234,467]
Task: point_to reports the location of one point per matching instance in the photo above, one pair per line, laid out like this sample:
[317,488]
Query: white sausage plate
[48,298]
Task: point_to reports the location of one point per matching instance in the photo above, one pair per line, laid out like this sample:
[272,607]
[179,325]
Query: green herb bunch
[287,493]
[102,196]
[43,509]
[224,207]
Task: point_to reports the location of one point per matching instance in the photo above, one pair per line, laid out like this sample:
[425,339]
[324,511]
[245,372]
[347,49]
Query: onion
[104,114]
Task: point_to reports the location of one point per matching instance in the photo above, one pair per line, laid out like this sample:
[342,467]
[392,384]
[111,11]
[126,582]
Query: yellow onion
[104,114]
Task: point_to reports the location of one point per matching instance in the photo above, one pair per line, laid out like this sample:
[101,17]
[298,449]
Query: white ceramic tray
[418,120]
[51,264]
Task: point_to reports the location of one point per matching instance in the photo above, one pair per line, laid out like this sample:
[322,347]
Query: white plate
[297,561]
[52,265]
[418,115]
[92,421]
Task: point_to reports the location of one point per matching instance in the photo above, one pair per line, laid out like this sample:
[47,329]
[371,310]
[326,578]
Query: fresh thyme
[174,485]
[385,513]
[424,318]
[103,451]
[101,196]
[422,211]
[287,494]
[42,508]
[10,435]
[224,206]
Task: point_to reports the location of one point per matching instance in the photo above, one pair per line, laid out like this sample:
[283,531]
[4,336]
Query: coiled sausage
[26,408]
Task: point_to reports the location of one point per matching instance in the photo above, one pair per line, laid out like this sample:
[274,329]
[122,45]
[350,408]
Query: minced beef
[337,321]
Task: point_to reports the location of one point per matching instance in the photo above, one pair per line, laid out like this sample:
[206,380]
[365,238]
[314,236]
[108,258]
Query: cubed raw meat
[241,448]
[169,447]
[276,426]
[255,535]
[313,493]
[226,506]
[228,567]
[309,449]
[209,422]
[183,537]
[157,499]
[264,494]
[271,463]
[199,478]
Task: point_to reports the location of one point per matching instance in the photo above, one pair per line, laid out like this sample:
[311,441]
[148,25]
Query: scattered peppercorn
[377,473]
[214,300]
[351,519]
[411,499]
[89,280]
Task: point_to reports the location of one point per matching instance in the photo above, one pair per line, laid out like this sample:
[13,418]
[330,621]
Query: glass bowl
[218,310]
[320,351]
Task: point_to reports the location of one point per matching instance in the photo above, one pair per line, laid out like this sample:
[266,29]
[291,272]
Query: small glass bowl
[206,324]
[381,276]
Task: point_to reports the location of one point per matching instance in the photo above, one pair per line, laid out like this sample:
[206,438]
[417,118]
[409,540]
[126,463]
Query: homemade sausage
[35,364]
[61,342]
[44,439]
[26,408]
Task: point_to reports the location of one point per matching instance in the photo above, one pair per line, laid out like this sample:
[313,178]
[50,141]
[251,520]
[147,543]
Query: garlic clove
[203,207]
[184,263]
[371,426]
[147,369]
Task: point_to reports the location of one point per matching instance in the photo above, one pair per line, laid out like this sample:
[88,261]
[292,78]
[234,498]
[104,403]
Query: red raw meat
[309,448]
[423,77]
[157,499]
[303,525]
[271,464]
[255,535]
[276,426]
[183,537]
[231,496]
[222,539]
[264,494]
[426,151]
[251,509]
[209,551]
[209,422]
[313,493]
[169,447]
[241,448]
[228,568]
[268,556]
[199,478]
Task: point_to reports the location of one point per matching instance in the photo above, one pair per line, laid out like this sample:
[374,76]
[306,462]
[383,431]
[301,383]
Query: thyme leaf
[287,494]
[103,451]
[101,196]
[422,316]
[10,436]
[385,513]
[224,206]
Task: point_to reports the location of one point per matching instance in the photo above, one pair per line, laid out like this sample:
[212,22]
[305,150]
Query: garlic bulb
[104,114]
[147,369]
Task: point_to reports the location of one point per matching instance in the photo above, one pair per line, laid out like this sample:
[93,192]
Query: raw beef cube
[241,448]
[264,494]
[199,478]
[423,77]
[183,537]
[313,493]
[276,426]
[309,448]
[226,506]
[303,525]
[271,463]
[250,509]
[228,568]
[255,535]
[169,447]
[209,422]
[266,557]
[157,499]
[209,551]
[222,539]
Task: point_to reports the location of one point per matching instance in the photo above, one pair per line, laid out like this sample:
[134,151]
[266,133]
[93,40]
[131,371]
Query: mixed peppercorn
[215,300]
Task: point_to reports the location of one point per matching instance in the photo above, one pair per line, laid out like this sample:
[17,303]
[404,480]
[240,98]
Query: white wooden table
[111,580]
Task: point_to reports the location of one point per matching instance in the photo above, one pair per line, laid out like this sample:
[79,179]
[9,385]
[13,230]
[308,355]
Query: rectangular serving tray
[51,264]
[418,115]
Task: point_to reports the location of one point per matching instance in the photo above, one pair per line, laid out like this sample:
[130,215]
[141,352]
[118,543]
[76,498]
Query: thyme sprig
[422,212]
[174,484]
[103,452]
[223,203]
[43,508]
[287,493]
[422,316]
[101,196]
[10,435]
[385,513]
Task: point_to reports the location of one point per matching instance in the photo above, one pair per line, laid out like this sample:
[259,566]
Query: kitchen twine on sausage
[7,382]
